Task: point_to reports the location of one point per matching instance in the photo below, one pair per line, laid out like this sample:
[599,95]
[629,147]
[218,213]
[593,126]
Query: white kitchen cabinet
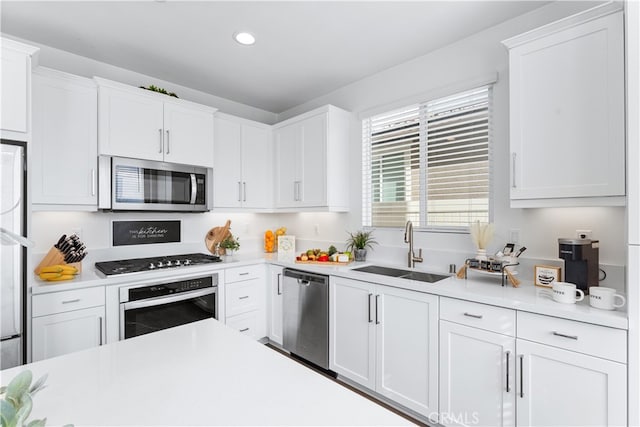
[386,339]
[477,377]
[312,160]
[242,164]
[274,304]
[570,373]
[245,302]
[567,116]
[65,145]
[65,322]
[141,124]
[15,120]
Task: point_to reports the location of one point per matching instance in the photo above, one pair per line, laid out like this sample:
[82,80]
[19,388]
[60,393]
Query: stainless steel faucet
[408,238]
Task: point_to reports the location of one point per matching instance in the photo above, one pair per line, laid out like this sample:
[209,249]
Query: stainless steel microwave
[144,185]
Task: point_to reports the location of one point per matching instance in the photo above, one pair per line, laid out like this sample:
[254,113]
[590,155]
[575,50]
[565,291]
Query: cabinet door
[352,330]
[567,113]
[130,124]
[477,377]
[313,180]
[407,348]
[256,167]
[63,333]
[15,91]
[288,167]
[227,172]
[275,305]
[561,387]
[65,144]
[188,135]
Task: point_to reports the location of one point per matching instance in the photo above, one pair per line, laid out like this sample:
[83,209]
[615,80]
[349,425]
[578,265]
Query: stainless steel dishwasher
[305,309]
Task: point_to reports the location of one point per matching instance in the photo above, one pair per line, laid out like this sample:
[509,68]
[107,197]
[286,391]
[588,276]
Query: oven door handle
[168,299]
[194,189]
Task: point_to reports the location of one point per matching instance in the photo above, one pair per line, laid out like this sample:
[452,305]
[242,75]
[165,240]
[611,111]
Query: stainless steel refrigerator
[13,253]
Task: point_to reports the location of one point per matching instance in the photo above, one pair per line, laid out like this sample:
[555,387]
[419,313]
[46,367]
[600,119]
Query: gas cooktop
[136,265]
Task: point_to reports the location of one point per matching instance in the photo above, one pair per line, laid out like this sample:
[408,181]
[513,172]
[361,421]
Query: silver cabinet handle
[71,301]
[246,273]
[278,290]
[513,170]
[369,308]
[244,191]
[377,299]
[571,337]
[244,297]
[100,328]
[244,330]
[475,316]
[93,182]
[239,191]
[160,141]
[508,354]
[521,375]
[167,141]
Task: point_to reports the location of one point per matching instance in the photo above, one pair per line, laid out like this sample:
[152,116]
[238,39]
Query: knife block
[55,257]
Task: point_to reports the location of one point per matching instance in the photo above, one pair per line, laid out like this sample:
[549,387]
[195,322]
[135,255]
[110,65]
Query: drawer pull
[71,301]
[475,316]
[243,274]
[100,328]
[244,297]
[244,330]
[508,354]
[571,337]
[521,375]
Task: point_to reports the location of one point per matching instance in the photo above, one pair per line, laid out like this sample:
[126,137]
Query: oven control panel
[169,288]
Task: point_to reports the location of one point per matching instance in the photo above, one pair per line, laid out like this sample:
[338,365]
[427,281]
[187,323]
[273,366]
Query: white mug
[565,293]
[604,298]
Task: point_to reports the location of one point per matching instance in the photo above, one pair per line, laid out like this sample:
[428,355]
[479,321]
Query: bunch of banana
[55,273]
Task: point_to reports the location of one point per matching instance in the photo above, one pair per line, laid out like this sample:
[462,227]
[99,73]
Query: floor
[355,390]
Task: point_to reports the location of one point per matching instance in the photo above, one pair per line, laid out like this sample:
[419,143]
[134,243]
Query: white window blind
[429,163]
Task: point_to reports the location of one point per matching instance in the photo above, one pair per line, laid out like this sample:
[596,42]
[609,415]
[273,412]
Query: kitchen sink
[402,274]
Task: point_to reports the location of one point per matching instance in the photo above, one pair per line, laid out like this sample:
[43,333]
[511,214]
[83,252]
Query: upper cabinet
[312,161]
[65,144]
[242,167]
[567,112]
[15,120]
[141,124]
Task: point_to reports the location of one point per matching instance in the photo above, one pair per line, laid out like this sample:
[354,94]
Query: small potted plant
[358,242]
[229,246]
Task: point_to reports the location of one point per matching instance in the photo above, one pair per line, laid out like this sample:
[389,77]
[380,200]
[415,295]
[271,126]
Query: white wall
[476,56]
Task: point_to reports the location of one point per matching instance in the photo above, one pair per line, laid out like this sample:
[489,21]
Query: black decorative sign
[144,232]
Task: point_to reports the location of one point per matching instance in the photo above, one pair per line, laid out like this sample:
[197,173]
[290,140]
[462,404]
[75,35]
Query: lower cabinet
[386,339]
[245,304]
[274,319]
[64,322]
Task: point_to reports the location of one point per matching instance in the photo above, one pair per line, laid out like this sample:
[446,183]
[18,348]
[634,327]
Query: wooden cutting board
[217,235]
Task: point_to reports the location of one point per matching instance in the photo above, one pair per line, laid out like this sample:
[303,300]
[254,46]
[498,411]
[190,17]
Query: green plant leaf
[19,385]
[25,409]
[38,423]
[38,385]
[7,414]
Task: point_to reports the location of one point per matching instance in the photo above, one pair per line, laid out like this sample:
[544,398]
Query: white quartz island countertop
[203,373]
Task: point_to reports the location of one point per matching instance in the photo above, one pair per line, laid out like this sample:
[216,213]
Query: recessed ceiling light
[244,38]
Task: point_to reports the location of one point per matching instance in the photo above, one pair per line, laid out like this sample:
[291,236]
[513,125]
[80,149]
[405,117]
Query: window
[429,163]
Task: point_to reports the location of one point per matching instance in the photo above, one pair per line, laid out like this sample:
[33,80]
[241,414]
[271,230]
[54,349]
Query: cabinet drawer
[483,316]
[59,302]
[600,341]
[239,274]
[242,297]
[246,324]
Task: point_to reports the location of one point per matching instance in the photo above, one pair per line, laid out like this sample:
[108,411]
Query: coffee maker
[581,262]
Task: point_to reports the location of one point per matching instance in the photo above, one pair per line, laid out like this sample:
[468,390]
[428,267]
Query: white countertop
[477,287]
[203,373]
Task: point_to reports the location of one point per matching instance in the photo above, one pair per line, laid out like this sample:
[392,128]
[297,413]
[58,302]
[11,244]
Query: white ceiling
[304,49]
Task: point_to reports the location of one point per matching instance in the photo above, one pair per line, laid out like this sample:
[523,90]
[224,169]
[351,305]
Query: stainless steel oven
[143,185]
[167,303]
